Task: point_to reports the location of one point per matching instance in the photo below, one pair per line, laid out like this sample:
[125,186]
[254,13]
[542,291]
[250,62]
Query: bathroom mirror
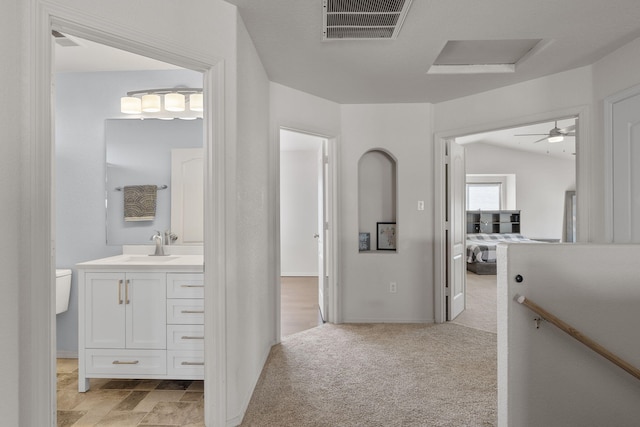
[138,152]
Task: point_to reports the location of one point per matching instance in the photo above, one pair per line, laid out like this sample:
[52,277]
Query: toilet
[63,290]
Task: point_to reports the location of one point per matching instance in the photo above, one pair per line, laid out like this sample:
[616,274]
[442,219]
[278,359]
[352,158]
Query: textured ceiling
[288,37]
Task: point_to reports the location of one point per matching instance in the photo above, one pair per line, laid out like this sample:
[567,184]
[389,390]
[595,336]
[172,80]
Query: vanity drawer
[185,312]
[185,337]
[187,285]
[126,362]
[185,364]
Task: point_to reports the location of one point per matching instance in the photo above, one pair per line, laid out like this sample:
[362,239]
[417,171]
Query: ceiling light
[148,103]
[556,138]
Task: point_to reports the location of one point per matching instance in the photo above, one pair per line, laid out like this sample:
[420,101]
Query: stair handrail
[573,332]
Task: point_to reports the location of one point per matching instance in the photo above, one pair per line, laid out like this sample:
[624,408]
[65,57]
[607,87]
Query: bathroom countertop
[137,262]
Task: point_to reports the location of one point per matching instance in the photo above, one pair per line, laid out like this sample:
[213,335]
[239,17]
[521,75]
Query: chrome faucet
[157,238]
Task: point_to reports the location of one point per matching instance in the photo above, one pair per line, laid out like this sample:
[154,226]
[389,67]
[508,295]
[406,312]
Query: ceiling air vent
[363,19]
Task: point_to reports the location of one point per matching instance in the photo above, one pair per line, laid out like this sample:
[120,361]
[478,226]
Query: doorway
[503,150]
[105,142]
[303,215]
[38,353]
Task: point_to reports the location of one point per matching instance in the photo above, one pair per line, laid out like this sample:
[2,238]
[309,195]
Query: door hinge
[325,160]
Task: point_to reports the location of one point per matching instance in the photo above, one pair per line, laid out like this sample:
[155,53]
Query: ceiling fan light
[130,105]
[174,102]
[196,102]
[557,138]
[151,103]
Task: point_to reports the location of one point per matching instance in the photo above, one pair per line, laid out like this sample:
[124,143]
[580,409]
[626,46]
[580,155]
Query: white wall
[298,213]
[301,111]
[541,182]
[403,130]
[251,298]
[11,135]
[545,377]
[83,102]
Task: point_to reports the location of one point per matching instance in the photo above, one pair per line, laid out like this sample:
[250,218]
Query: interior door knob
[315,236]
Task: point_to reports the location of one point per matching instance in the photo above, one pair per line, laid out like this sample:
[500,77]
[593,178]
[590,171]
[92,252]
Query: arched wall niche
[377,200]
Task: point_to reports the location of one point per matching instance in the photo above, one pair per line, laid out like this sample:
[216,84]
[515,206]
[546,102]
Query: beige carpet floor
[378,375]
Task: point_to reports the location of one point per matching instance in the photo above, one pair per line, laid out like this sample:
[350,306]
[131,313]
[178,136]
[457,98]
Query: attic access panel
[363,19]
[468,52]
[483,56]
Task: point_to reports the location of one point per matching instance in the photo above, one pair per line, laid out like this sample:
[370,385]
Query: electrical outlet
[420,205]
[393,287]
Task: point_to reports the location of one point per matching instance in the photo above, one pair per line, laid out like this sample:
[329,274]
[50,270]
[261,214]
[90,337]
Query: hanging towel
[140,202]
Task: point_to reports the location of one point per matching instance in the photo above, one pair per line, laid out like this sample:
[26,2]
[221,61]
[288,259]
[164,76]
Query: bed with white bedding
[481,250]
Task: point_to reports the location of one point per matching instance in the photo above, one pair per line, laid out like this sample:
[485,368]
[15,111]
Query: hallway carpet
[378,375]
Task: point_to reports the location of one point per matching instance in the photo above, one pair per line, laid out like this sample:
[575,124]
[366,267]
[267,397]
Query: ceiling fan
[554,135]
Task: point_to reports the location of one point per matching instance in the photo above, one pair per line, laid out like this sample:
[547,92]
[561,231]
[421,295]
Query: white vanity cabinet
[185,325]
[139,322]
[125,310]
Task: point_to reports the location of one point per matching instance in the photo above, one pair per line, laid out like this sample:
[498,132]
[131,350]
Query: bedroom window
[484,196]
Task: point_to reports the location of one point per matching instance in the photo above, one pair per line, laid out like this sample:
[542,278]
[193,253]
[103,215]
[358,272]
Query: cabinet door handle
[192,363]
[186,337]
[192,286]
[120,362]
[119,291]
[192,312]
[126,291]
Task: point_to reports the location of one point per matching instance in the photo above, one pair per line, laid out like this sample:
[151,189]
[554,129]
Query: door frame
[609,103]
[37,318]
[331,243]
[584,155]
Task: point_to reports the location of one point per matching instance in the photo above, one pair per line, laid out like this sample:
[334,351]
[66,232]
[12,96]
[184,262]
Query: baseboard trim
[299,274]
[62,354]
[370,320]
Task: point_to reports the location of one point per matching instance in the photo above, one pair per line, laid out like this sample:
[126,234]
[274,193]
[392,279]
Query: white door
[146,307]
[626,178]
[456,232]
[104,310]
[187,195]
[322,232]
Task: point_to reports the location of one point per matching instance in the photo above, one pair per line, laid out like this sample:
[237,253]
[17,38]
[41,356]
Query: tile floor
[123,403]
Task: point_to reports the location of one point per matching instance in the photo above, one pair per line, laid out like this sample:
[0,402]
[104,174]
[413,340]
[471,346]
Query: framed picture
[386,239]
[364,240]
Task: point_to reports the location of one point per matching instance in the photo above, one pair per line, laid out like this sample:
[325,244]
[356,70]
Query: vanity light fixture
[181,103]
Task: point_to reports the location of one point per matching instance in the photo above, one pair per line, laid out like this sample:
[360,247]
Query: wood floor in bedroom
[299,300]
[481,311]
